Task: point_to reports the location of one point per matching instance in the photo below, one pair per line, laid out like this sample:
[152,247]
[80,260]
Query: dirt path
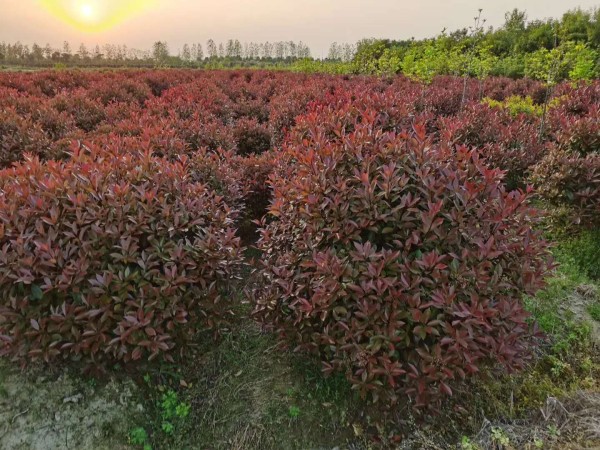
[39,411]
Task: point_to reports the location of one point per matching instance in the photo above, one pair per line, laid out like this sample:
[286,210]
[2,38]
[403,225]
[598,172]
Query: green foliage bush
[544,50]
[516,105]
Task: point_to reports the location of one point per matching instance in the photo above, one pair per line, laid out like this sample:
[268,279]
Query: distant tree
[229,48]
[335,53]
[575,25]
[514,20]
[110,52]
[221,50]
[122,52]
[66,53]
[186,53]
[37,52]
[160,52]
[211,48]
[26,53]
[97,54]
[279,50]
[539,34]
[348,51]
[293,49]
[48,51]
[594,29]
[199,54]
[83,51]
[267,50]
[302,50]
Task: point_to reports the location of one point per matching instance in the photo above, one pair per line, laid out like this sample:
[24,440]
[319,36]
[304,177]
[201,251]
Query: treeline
[549,50]
[231,53]
[22,54]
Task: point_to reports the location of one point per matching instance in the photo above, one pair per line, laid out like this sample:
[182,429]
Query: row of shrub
[248,113]
[397,230]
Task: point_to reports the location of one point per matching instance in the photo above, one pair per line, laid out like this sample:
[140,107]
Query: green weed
[139,437]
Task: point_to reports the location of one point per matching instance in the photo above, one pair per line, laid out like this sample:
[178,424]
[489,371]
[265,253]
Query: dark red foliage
[18,135]
[401,262]
[126,91]
[360,166]
[243,181]
[568,176]
[500,88]
[572,181]
[86,112]
[510,143]
[110,257]
[577,134]
[251,137]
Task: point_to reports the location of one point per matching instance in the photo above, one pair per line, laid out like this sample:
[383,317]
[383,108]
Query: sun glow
[95,15]
[87,11]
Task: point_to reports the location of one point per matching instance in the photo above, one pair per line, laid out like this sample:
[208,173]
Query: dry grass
[241,391]
[573,423]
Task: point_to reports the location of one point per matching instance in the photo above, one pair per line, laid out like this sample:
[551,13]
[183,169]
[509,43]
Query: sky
[318,23]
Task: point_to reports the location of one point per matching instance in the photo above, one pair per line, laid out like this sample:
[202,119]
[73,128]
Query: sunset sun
[87,11]
[95,15]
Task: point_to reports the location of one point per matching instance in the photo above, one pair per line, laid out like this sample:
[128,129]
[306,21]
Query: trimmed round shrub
[401,263]
[19,135]
[509,143]
[569,180]
[87,113]
[251,137]
[207,133]
[122,91]
[577,134]
[110,258]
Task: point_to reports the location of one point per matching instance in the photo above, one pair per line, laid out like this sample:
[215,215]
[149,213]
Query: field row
[399,223]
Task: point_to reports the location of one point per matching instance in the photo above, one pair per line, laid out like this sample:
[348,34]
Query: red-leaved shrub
[400,262]
[109,257]
[509,143]
[251,137]
[19,135]
[578,134]
[88,113]
[568,180]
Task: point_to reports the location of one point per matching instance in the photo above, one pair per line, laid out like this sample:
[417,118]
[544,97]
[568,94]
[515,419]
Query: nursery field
[262,259]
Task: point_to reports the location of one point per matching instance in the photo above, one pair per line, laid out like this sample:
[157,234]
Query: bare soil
[42,411]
